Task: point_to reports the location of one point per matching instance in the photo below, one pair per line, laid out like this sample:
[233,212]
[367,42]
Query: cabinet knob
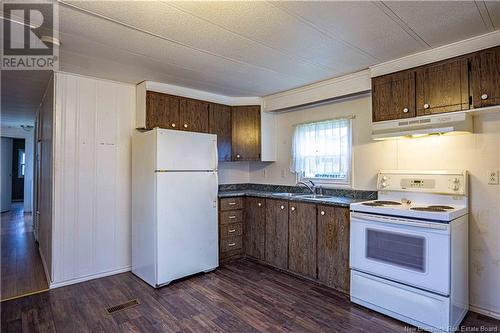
[259,204]
[282,207]
[322,212]
[484,96]
[406,110]
[238,156]
[293,208]
[426,106]
[185,125]
[173,125]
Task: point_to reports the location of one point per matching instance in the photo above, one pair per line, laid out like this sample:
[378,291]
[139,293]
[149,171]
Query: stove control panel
[444,182]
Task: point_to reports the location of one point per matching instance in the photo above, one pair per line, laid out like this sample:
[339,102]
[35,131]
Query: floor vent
[122,306]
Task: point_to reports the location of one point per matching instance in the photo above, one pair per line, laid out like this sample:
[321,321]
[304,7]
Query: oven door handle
[398,221]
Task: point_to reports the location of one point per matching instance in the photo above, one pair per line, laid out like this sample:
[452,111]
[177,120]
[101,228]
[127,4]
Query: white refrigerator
[174,205]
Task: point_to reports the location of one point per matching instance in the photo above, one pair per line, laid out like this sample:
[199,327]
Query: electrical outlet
[493,177]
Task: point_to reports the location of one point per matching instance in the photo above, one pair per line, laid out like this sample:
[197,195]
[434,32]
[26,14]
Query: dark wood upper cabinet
[393,96]
[302,238]
[485,69]
[276,249]
[193,115]
[255,227]
[162,110]
[246,133]
[219,122]
[333,247]
[442,87]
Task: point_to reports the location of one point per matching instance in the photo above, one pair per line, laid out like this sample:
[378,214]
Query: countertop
[333,200]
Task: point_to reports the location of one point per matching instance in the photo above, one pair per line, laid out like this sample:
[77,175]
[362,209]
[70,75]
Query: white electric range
[409,248]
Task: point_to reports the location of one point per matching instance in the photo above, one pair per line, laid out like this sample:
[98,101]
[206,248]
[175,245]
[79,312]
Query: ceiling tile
[375,33]
[440,22]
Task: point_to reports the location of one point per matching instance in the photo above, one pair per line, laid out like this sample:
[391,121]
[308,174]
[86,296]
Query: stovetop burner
[373,204]
[441,207]
[429,209]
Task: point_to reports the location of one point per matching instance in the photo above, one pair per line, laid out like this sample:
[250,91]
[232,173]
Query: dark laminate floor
[21,267]
[241,296]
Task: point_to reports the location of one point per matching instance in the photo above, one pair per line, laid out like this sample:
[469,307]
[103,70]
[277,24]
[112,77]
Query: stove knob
[384,178]
[384,184]
[456,180]
[456,187]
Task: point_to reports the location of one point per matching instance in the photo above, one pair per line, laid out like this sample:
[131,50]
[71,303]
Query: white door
[405,251]
[178,150]
[187,224]
[6,173]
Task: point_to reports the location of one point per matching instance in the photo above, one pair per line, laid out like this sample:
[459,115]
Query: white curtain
[322,149]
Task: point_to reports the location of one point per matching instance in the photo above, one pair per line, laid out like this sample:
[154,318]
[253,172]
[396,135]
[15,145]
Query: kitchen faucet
[309,187]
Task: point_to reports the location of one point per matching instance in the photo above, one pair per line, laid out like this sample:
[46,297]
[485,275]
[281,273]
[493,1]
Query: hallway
[22,270]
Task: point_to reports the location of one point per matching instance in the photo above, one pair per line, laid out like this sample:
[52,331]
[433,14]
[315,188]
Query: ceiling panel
[376,33]
[493,11]
[181,27]
[21,95]
[440,22]
[266,23]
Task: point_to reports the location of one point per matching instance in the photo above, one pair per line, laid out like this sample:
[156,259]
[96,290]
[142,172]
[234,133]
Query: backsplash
[355,194]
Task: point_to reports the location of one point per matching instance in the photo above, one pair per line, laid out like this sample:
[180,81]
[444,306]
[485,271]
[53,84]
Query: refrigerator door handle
[216,156]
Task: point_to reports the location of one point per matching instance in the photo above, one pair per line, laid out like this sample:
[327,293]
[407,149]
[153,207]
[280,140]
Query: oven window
[396,249]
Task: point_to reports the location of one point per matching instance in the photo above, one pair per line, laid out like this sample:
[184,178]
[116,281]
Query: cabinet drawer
[231,243]
[231,230]
[231,203]
[231,216]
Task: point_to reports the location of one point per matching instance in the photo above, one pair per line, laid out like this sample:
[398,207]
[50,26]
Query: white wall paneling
[94,123]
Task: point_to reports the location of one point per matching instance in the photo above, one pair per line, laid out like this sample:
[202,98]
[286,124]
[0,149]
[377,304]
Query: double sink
[304,196]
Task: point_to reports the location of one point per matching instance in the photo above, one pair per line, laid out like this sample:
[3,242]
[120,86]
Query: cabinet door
[393,96]
[276,250]
[162,110]
[219,121]
[246,133]
[255,227]
[302,238]
[443,87]
[194,115]
[486,78]
[333,247]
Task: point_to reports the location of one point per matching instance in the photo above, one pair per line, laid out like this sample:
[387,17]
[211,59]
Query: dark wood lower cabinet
[255,227]
[333,247]
[277,233]
[302,239]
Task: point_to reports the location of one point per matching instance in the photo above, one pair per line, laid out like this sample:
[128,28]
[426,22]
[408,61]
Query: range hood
[456,122]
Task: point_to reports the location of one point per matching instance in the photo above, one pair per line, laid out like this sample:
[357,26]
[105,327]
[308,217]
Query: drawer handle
[232,203]
[406,110]
[322,212]
[232,217]
[231,244]
[426,106]
[231,231]
[484,96]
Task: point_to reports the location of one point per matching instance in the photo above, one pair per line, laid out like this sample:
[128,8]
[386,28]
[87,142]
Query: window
[321,151]
[21,168]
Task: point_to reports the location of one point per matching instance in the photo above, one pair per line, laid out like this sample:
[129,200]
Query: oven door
[416,253]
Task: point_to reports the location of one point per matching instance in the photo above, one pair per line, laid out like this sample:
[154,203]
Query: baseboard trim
[483,311]
[54,285]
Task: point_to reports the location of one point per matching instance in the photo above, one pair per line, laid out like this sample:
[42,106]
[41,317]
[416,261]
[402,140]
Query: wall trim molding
[447,51]
[89,277]
[349,84]
[200,94]
[483,311]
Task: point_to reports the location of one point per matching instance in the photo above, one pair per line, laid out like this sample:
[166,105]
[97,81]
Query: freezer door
[178,150]
[187,224]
